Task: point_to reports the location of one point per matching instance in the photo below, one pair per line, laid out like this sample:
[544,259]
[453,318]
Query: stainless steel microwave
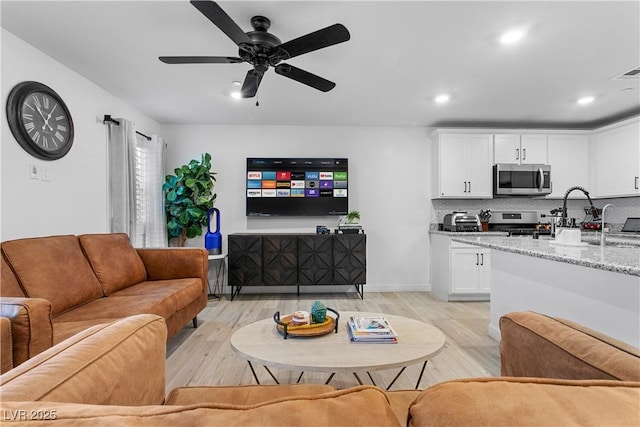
[521,180]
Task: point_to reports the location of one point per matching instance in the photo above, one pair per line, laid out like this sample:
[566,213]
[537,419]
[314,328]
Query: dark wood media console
[297,260]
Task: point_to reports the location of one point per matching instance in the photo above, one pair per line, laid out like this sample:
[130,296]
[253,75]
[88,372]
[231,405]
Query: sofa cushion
[115,262]
[120,363]
[114,307]
[357,406]
[527,401]
[9,286]
[64,330]
[181,291]
[53,268]
[244,394]
[535,345]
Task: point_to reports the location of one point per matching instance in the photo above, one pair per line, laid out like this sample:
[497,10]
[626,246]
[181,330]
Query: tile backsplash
[623,207]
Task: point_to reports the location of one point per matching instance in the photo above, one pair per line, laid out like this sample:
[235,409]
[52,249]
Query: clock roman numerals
[39,120]
[46,130]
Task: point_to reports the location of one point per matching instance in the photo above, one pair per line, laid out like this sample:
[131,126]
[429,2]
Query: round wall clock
[39,120]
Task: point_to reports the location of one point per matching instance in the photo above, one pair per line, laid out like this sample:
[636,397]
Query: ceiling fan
[263,49]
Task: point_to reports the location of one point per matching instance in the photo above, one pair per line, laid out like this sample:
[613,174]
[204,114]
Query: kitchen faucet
[602,240]
[594,210]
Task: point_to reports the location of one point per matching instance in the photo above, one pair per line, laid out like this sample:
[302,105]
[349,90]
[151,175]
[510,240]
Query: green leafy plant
[353,216]
[188,197]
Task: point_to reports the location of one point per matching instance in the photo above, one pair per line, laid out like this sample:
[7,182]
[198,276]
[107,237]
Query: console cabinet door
[350,259]
[245,260]
[280,259]
[315,260]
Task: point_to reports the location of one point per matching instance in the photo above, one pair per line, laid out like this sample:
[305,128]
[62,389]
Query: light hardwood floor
[203,356]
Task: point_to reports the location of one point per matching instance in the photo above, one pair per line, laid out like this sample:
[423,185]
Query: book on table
[371,329]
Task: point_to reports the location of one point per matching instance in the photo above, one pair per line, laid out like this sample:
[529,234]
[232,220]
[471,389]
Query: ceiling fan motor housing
[264,49]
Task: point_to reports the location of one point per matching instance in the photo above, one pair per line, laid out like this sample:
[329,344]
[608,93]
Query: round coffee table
[261,343]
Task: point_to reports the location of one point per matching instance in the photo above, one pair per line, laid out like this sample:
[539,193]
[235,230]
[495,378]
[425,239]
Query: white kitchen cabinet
[520,149]
[463,165]
[459,272]
[569,160]
[615,154]
[470,269]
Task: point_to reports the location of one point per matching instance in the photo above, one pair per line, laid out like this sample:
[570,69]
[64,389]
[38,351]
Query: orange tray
[286,329]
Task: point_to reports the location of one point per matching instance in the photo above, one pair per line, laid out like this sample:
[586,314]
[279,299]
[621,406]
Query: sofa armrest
[508,401]
[117,363]
[31,326]
[6,345]
[175,263]
[534,345]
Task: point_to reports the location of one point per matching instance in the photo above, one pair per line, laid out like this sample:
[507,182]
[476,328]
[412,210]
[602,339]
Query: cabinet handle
[517,153]
[469,186]
[636,182]
[465,186]
[524,154]
[481,259]
[477,260]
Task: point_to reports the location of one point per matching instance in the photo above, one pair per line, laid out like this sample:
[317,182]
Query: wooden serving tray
[285,327]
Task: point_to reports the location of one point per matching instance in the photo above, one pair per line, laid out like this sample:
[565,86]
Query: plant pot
[485,226]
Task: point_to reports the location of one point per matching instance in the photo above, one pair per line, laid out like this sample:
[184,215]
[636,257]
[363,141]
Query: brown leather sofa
[113,374]
[54,287]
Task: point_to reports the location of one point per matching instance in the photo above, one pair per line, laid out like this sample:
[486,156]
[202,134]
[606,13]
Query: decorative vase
[318,312]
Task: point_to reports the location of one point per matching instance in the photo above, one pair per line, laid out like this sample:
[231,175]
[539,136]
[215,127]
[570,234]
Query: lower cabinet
[470,270]
[459,272]
[297,260]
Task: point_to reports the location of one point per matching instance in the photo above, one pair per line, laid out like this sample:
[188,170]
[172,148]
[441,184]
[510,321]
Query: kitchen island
[598,287]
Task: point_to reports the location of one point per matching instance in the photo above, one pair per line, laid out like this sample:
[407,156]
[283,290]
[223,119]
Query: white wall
[73,201]
[389,183]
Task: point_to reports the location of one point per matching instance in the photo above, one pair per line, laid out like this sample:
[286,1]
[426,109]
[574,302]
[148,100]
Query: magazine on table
[384,334]
[375,324]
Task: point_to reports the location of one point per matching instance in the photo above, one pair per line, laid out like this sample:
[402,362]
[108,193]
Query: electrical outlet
[34,171]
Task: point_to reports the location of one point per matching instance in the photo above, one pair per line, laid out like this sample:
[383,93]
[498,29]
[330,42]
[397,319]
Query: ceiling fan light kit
[262,49]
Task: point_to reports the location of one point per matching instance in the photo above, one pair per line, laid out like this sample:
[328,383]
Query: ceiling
[400,56]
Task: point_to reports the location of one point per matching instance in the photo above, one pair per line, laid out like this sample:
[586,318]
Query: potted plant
[353,217]
[188,197]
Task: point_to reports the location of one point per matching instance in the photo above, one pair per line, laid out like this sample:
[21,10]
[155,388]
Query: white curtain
[136,174]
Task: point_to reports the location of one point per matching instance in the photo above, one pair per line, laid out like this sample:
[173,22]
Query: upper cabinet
[569,160]
[463,165]
[615,160]
[520,149]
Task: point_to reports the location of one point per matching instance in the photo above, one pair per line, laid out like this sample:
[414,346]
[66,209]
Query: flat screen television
[297,186]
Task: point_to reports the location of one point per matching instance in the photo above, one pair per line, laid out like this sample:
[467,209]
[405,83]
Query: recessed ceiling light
[585,100]
[511,37]
[441,99]
[236,95]
[236,83]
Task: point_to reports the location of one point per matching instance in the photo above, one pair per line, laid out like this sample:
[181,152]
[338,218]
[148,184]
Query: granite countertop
[620,259]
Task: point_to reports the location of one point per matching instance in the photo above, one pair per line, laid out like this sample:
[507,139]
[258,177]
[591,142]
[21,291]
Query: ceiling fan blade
[220,18]
[304,77]
[325,37]
[251,83]
[200,60]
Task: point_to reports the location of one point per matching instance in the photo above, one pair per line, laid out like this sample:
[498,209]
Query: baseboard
[424,287]
[494,332]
